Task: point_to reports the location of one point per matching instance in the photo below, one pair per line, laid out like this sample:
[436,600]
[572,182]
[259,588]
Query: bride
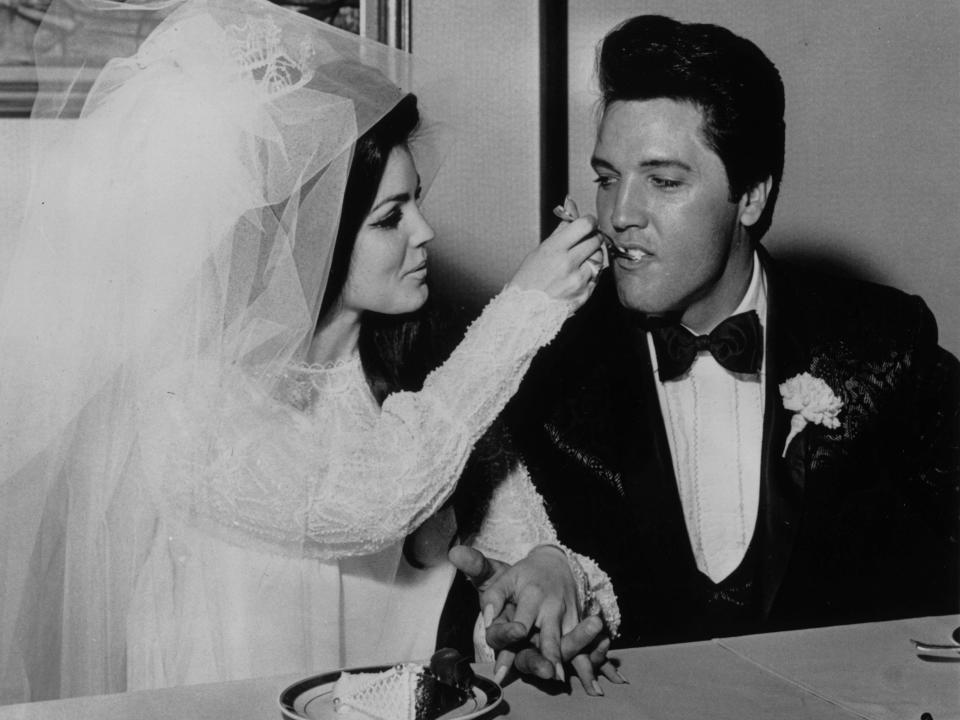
[215,438]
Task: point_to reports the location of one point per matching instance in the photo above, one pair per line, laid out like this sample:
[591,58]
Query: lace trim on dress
[302,384]
[313,368]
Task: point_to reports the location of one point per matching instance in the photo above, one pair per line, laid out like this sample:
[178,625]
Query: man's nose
[630,206]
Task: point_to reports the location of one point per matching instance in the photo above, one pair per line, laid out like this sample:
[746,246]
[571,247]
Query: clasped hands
[532,617]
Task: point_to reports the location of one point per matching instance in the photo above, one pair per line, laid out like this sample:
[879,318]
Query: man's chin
[642,300]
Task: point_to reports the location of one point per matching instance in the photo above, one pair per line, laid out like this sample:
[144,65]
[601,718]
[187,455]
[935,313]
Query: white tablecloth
[865,671]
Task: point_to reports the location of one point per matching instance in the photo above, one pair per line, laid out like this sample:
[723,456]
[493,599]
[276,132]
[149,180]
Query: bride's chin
[414,299]
[424,294]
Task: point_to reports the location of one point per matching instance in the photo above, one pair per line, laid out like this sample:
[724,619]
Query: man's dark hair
[734,85]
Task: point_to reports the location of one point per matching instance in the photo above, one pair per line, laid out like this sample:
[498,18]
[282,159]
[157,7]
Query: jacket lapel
[782,479]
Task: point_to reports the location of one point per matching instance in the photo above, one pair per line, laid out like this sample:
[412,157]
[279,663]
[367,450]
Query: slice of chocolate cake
[454,678]
[408,691]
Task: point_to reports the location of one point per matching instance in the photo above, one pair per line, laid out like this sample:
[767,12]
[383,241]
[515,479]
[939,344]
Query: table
[867,671]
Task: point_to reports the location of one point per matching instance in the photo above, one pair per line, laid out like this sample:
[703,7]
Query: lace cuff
[595,593]
[517,522]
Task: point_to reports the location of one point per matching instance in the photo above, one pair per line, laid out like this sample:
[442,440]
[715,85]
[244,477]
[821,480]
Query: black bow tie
[736,343]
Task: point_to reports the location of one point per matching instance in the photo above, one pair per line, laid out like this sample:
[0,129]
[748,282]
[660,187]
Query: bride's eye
[391,219]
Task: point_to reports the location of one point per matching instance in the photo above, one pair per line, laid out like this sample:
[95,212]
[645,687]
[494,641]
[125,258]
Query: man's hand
[535,601]
[585,648]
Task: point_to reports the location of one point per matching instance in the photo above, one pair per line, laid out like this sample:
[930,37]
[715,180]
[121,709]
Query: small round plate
[312,697]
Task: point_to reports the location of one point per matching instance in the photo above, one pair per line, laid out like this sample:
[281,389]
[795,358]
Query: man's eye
[604,180]
[665,183]
[391,219]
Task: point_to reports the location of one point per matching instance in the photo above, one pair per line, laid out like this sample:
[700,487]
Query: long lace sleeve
[517,521]
[350,478]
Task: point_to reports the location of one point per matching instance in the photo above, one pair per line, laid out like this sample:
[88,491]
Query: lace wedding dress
[281,521]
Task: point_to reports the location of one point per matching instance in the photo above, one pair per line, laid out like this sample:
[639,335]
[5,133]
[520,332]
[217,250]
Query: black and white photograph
[434,359]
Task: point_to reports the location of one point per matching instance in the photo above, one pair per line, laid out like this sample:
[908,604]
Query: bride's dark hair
[397,351]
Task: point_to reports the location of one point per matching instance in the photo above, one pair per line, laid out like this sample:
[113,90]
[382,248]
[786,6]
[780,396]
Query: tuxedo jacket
[855,523]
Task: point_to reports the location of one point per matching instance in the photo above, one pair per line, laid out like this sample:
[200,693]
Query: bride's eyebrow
[398,198]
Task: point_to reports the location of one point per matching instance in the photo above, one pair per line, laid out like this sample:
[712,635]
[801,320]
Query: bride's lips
[421,268]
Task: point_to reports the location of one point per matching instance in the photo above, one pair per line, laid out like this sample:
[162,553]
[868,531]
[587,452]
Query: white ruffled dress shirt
[714,423]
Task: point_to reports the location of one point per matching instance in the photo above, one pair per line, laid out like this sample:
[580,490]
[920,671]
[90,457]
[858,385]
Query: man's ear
[754,201]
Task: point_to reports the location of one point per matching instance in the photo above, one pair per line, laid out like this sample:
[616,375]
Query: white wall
[872,180]
[15,151]
[484,204]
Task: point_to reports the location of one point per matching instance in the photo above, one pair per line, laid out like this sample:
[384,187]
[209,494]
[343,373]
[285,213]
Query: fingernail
[500,674]
[622,678]
[487,616]
[596,688]
[517,631]
[561,676]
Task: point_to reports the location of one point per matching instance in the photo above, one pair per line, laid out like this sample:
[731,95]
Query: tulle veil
[183,203]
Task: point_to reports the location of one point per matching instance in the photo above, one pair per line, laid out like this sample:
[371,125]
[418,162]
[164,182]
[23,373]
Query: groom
[743,446]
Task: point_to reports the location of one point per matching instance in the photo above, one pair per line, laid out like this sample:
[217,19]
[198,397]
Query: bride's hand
[565,266]
[530,610]
[541,590]
[545,595]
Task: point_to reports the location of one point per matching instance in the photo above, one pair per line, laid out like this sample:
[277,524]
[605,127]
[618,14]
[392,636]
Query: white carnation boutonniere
[812,401]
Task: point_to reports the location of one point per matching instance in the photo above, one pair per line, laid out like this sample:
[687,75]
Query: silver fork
[568,213]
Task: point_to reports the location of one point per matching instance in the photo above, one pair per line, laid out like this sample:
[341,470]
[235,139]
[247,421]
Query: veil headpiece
[184,200]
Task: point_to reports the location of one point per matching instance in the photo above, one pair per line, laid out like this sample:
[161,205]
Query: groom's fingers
[586,665]
[529,661]
[584,670]
[598,656]
[581,637]
[611,673]
[477,567]
[503,634]
[550,634]
[528,606]
[484,574]
[487,576]
[573,648]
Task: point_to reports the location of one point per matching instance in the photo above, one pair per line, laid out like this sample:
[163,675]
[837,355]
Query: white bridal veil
[184,200]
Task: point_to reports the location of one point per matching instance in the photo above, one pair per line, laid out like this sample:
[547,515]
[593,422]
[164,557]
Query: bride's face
[388,268]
